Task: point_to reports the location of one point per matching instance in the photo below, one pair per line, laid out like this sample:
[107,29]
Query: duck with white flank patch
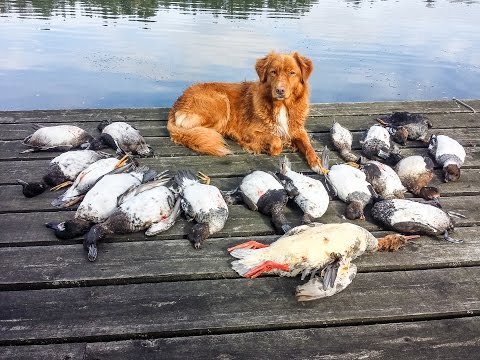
[88,178]
[312,197]
[449,154]
[308,249]
[124,138]
[62,170]
[60,138]
[350,185]
[412,217]
[342,141]
[403,126]
[263,191]
[384,180]
[377,145]
[151,206]
[203,203]
[100,202]
[416,173]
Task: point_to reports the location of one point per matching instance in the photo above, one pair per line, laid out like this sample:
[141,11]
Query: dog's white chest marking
[282,122]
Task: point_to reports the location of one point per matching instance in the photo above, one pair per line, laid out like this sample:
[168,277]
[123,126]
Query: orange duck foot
[265,267]
[248,245]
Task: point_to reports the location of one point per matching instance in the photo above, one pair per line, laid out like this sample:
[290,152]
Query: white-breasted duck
[449,154]
[62,171]
[384,179]
[308,249]
[412,217]
[349,185]
[100,202]
[377,145]
[404,125]
[342,141]
[152,206]
[263,191]
[60,138]
[312,197]
[416,173]
[88,177]
[124,138]
[203,203]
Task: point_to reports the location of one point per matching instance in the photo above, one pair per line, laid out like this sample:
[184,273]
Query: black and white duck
[384,180]
[60,138]
[312,197]
[416,173]
[449,154]
[377,145]
[100,202]
[263,191]
[299,251]
[62,170]
[342,141]
[203,203]
[404,125]
[412,217]
[88,177]
[124,138]
[152,206]
[350,185]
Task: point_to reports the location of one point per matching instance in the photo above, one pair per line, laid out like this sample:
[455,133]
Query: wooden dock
[158,298]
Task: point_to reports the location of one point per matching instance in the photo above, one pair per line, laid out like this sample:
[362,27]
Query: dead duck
[404,125]
[342,141]
[449,154]
[60,138]
[88,177]
[308,249]
[350,185]
[377,145]
[412,217]
[124,138]
[263,191]
[312,197]
[100,202]
[62,170]
[203,203]
[384,179]
[416,173]
[152,206]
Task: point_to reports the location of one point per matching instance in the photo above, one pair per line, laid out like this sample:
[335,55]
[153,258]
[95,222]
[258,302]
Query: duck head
[400,135]
[69,229]
[32,189]
[451,172]
[429,193]
[90,242]
[197,234]
[355,211]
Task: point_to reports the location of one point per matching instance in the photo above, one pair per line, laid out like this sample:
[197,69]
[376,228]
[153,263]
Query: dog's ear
[306,65]
[261,66]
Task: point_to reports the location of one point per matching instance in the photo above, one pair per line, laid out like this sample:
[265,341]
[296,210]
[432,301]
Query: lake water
[143,53]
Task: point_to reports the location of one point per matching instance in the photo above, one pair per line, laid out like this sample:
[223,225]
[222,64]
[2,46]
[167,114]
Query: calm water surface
[135,53]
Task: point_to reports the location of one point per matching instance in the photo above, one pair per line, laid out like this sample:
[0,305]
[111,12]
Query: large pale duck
[342,141]
[62,171]
[124,138]
[312,197]
[404,125]
[203,203]
[60,138]
[413,217]
[308,249]
[416,173]
[152,206]
[100,202]
[377,145]
[449,154]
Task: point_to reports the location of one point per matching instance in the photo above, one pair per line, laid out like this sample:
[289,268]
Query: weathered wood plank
[176,260]
[437,339]
[222,306]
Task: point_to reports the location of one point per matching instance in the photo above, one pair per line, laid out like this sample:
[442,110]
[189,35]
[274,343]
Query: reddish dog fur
[262,116]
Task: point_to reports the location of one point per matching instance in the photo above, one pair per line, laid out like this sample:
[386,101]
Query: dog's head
[284,74]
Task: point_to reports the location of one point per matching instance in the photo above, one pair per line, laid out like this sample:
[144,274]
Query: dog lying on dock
[262,116]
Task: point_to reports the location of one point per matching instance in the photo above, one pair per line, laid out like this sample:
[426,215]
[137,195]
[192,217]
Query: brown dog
[262,116]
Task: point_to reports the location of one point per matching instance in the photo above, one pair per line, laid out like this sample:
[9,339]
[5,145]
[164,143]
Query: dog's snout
[280,90]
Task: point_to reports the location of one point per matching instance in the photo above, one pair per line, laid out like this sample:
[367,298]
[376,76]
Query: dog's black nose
[280,91]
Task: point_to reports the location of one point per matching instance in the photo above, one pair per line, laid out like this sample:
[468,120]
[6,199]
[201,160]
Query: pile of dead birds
[119,196]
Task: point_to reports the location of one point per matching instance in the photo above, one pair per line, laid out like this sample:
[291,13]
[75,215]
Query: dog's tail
[201,139]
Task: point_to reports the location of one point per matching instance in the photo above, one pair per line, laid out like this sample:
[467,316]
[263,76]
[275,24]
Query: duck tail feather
[242,253]
[241,268]
[184,177]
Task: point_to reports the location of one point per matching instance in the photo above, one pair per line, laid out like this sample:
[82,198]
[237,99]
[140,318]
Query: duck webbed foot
[61,185]
[252,244]
[265,267]
[205,178]
[394,242]
[449,239]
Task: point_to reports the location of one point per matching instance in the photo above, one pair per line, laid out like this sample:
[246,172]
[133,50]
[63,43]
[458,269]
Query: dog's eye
[273,72]
[292,73]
